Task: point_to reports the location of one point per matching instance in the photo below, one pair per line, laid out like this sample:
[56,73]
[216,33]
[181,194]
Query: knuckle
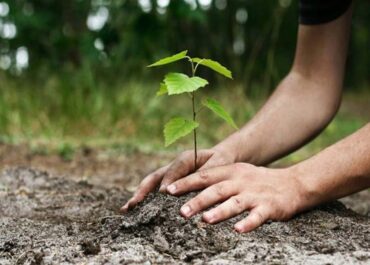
[204,175]
[242,166]
[219,190]
[237,202]
[239,167]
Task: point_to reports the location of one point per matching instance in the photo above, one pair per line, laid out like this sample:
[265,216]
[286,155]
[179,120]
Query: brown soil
[109,168]
[54,220]
[66,213]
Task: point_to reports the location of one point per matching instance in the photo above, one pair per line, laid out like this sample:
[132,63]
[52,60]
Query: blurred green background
[73,72]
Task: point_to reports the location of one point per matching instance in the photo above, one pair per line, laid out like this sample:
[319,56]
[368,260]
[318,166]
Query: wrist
[308,189]
[230,147]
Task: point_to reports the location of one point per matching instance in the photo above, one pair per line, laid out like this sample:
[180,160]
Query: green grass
[67,112]
[92,113]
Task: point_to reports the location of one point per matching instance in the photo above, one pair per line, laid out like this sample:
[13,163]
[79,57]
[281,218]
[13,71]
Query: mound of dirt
[52,220]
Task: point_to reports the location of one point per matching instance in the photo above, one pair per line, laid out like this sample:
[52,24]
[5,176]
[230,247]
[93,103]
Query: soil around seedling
[49,219]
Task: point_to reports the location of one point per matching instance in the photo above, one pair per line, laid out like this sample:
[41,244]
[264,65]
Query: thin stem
[196,67]
[193,70]
[194,133]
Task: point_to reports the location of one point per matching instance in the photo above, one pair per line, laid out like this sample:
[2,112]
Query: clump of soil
[52,220]
[90,247]
[157,220]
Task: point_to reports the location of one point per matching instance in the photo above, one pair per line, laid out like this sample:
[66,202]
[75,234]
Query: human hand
[268,194]
[179,168]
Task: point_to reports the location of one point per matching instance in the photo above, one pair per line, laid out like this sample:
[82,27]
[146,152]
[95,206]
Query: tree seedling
[179,83]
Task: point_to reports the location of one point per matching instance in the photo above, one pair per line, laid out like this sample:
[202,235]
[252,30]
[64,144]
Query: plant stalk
[194,132]
[193,70]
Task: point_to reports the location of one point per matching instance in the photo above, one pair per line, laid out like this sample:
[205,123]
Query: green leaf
[178,83]
[216,107]
[215,66]
[162,90]
[171,59]
[177,128]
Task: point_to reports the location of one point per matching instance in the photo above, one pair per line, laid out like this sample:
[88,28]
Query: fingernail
[124,208]
[209,217]
[186,210]
[171,189]
[239,228]
[162,188]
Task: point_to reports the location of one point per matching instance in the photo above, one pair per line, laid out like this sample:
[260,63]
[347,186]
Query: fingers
[199,180]
[230,208]
[148,184]
[182,166]
[256,218]
[210,196]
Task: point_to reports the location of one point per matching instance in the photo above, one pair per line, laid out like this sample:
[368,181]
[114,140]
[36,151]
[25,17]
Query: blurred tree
[256,39]
[52,31]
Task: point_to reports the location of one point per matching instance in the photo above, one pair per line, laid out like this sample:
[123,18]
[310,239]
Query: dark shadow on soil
[53,220]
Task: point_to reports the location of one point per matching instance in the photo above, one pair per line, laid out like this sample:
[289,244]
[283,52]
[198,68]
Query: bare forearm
[337,171]
[297,111]
[304,102]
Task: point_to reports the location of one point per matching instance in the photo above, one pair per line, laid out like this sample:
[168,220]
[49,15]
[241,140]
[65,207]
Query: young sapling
[179,83]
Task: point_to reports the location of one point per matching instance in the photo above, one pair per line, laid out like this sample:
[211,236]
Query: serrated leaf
[178,83]
[217,108]
[215,66]
[162,90]
[177,128]
[171,59]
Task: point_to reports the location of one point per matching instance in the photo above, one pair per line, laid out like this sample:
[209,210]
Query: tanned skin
[232,173]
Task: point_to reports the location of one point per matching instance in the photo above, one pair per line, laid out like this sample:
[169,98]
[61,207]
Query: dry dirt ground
[65,212]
